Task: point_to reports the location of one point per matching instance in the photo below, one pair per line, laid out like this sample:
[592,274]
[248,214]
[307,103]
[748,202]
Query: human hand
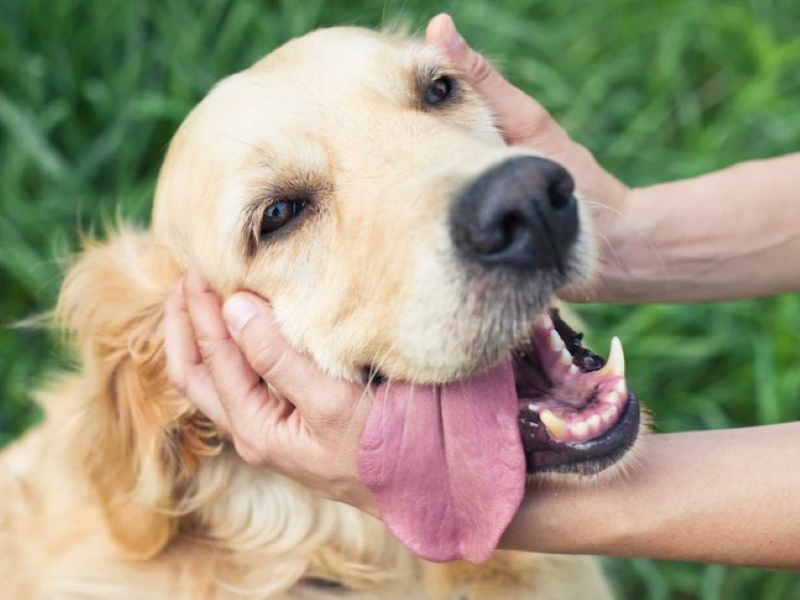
[522,120]
[304,424]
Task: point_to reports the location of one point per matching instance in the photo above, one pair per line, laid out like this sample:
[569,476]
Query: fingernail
[238,310]
[450,36]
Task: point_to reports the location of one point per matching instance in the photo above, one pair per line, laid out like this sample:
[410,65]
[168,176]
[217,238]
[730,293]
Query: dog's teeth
[554,424]
[609,413]
[556,344]
[543,321]
[611,397]
[594,423]
[565,358]
[533,407]
[622,388]
[616,360]
[580,430]
[573,370]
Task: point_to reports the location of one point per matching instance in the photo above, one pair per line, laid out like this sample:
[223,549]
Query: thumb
[520,118]
[296,377]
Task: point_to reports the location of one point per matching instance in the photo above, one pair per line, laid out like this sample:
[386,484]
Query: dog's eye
[278,214]
[322,584]
[439,90]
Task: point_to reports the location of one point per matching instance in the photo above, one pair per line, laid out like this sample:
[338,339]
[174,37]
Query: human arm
[730,234]
[711,496]
[728,496]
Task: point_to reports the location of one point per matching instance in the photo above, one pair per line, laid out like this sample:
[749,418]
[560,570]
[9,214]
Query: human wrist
[720,236]
[562,517]
[628,260]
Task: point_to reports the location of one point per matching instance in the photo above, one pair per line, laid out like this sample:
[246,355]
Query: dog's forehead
[329,76]
[338,53]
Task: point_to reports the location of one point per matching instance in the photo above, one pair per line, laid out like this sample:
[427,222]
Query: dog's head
[357,181]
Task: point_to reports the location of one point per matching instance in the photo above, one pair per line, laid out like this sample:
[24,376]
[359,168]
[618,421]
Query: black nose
[521,212]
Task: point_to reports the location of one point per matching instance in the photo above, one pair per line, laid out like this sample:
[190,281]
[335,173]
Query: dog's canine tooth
[616,360]
[554,424]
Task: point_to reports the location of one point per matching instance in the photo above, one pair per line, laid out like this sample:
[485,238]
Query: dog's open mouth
[446,463]
[576,413]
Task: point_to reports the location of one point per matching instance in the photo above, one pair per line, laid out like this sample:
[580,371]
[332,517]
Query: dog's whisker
[637,231]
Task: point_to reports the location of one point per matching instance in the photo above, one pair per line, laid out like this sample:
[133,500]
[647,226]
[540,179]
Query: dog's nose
[521,212]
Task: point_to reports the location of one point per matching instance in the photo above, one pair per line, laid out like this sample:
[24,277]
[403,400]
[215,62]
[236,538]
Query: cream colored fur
[125,490]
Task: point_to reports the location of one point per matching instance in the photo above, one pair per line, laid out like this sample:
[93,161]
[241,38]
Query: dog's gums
[575,411]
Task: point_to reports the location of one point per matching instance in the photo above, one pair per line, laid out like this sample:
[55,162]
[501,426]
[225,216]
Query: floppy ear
[142,439]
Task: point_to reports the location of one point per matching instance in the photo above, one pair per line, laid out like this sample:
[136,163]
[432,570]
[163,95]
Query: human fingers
[249,408]
[185,367]
[317,443]
[520,118]
[320,397]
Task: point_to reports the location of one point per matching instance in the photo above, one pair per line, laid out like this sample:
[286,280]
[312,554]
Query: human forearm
[714,496]
[730,234]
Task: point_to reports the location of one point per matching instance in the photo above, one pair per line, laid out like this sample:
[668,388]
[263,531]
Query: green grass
[90,93]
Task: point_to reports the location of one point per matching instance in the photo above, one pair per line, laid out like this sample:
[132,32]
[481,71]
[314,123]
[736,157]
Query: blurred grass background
[90,92]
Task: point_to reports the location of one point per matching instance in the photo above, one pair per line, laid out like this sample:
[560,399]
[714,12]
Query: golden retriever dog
[355,180]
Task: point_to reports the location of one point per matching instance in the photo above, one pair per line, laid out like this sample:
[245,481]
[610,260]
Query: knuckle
[210,350]
[177,377]
[178,374]
[536,124]
[537,129]
[248,452]
[175,302]
[480,70]
[326,419]
[264,357]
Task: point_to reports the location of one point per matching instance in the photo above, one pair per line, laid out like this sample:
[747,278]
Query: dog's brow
[259,155]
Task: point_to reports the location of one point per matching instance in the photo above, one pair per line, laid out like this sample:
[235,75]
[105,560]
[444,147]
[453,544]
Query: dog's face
[339,178]
[356,181]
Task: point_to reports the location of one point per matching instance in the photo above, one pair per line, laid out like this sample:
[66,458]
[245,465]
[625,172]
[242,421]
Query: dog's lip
[576,413]
[591,456]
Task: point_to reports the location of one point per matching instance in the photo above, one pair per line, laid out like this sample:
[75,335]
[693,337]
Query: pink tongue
[445,463]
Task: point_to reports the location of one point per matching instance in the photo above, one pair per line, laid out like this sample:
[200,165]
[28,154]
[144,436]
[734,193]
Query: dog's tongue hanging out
[445,463]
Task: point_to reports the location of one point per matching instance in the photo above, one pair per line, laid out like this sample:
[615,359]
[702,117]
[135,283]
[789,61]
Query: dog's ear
[142,439]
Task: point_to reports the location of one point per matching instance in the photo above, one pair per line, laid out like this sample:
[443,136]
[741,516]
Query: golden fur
[125,490]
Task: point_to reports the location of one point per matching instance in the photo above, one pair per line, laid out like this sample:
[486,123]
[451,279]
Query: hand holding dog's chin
[219,358]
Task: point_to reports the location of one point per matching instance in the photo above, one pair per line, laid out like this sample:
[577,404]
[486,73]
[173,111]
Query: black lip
[592,456]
